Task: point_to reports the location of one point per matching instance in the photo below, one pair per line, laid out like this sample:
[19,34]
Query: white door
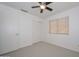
[25,31]
[8,30]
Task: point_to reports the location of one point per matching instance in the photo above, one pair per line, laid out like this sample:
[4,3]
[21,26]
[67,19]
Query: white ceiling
[57,6]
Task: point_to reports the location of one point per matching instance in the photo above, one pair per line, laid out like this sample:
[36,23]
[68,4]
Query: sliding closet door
[25,30]
[8,29]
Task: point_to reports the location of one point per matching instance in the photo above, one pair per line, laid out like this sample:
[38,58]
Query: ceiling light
[42,6]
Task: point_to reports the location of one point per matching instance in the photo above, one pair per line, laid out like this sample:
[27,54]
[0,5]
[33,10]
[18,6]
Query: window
[59,26]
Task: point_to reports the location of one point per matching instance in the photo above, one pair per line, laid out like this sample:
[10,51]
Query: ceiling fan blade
[35,6]
[41,11]
[40,2]
[24,10]
[48,3]
[50,9]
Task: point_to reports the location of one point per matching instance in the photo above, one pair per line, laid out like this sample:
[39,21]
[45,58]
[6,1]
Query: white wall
[17,29]
[70,41]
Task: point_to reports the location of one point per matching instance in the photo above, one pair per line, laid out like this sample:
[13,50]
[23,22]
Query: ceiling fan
[43,6]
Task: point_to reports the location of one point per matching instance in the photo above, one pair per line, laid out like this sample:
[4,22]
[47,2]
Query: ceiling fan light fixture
[42,6]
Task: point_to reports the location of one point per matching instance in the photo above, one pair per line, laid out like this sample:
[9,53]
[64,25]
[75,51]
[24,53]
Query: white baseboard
[76,50]
[26,45]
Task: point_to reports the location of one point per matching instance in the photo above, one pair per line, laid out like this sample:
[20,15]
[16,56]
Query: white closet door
[25,31]
[8,29]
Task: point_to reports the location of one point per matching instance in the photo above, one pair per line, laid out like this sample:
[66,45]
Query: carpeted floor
[42,49]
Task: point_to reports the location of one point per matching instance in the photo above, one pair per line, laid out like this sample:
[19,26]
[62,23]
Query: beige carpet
[42,49]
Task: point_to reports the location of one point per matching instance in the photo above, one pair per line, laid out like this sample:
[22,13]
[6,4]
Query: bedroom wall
[17,29]
[70,41]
